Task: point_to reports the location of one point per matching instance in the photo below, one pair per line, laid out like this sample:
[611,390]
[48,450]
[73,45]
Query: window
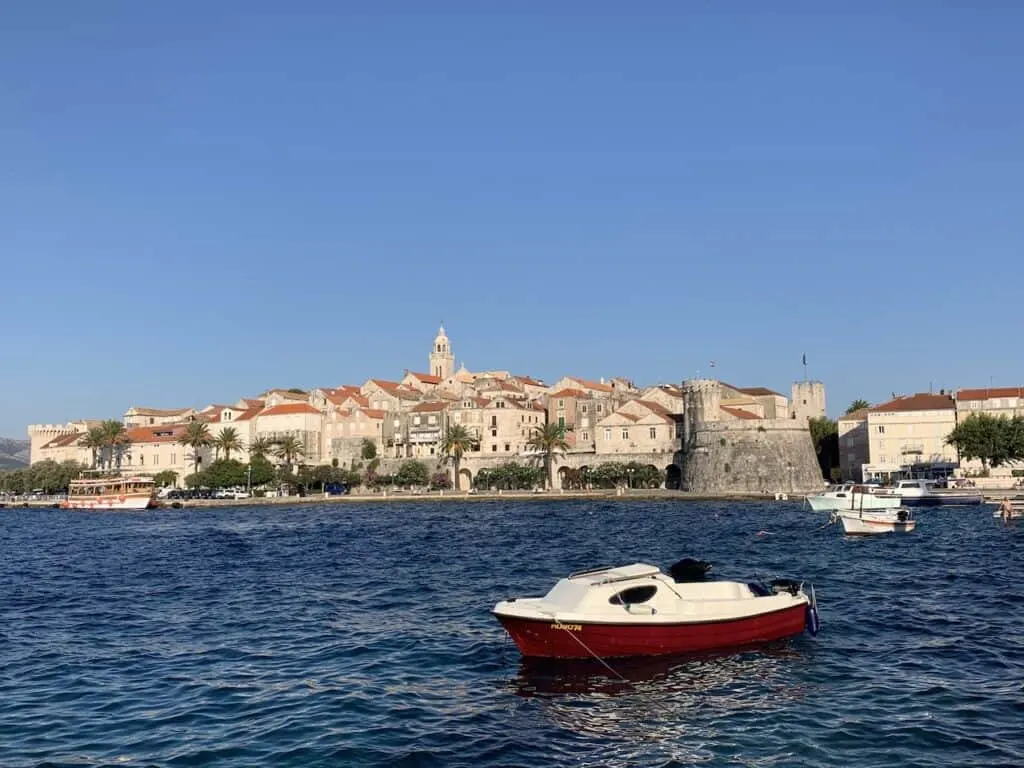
[494,447]
[561,403]
[625,434]
[583,409]
[634,595]
[156,460]
[881,429]
[654,432]
[607,433]
[432,419]
[508,447]
[174,458]
[494,433]
[598,407]
[142,459]
[431,450]
[561,421]
[416,420]
[586,435]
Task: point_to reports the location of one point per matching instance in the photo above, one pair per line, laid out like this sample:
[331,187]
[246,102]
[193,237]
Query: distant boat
[924,493]
[115,493]
[877,521]
[851,496]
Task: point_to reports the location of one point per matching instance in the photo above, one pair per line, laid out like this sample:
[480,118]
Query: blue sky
[202,200]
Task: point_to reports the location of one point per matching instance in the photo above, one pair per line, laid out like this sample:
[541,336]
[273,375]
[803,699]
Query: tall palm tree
[115,440]
[548,440]
[95,441]
[288,449]
[196,436]
[227,441]
[456,441]
[260,447]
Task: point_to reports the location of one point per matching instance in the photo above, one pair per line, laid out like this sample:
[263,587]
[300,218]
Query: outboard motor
[689,570]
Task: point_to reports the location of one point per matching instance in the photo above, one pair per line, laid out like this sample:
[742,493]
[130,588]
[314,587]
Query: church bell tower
[442,361]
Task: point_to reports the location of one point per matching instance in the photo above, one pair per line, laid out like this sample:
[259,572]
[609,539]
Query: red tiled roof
[169,433]
[762,391]
[426,378]
[922,401]
[528,381]
[569,392]
[655,407]
[985,394]
[595,385]
[387,386]
[429,407]
[253,403]
[289,408]
[374,413]
[739,413]
[249,413]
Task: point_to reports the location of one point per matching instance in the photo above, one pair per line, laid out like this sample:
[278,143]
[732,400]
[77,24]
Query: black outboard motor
[689,570]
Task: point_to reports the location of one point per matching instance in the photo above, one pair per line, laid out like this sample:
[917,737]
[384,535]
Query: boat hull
[937,500]
[122,502]
[869,501]
[547,638]
[857,525]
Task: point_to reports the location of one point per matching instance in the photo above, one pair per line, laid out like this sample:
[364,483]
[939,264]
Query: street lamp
[629,477]
[248,479]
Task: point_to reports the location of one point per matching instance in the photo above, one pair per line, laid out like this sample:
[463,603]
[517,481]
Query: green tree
[95,441]
[825,439]
[262,471]
[412,473]
[857,405]
[456,442]
[225,473]
[227,441]
[995,440]
[289,450]
[549,441]
[261,447]
[369,449]
[115,441]
[196,436]
[165,478]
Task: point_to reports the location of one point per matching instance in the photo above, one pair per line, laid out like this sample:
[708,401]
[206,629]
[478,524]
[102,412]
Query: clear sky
[200,200]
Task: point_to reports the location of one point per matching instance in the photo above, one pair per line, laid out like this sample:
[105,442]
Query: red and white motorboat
[637,610]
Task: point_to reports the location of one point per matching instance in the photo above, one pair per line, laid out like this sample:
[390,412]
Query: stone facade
[853,445]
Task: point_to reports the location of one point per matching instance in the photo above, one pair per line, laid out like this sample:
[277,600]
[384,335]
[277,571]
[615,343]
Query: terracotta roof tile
[426,378]
[289,408]
[528,381]
[569,392]
[739,413]
[985,394]
[655,407]
[429,407]
[374,413]
[169,433]
[65,440]
[758,391]
[387,386]
[595,385]
[922,401]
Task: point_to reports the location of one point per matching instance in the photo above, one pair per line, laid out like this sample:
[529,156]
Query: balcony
[915,449]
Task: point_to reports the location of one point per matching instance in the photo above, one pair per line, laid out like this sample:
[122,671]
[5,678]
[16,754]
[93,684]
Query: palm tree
[857,404]
[95,441]
[196,436]
[548,440]
[456,441]
[288,449]
[114,441]
[227,441]
[260,447]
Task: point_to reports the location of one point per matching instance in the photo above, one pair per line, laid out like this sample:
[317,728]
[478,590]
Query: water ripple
[361,636]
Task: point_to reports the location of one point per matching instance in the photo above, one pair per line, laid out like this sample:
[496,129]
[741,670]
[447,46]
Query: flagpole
[805,367]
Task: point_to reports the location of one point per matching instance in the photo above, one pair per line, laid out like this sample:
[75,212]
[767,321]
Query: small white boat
[115,493]
[637,610]
[851,496]
[899,520]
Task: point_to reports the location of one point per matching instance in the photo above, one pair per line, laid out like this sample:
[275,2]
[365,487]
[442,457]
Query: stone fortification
[724,455]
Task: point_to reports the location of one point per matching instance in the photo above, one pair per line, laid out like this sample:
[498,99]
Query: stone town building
[59,442]
[146,417]
[578,411]
[155,449]
[346,429]
[384,395]
[907,436]
[1001,402]
[854,449]
[639,426]
[421,382]
[299,420]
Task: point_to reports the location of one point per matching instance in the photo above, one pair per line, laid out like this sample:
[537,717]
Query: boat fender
[811,620]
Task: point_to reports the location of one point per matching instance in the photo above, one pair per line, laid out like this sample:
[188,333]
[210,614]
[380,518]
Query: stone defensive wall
[762,456]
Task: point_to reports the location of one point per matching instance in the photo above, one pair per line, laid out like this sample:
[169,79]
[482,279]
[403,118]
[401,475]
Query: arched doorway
[673,477]
[465,479]
[653,477]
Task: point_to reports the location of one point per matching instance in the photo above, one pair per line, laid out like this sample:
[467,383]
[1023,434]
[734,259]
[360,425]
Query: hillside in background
[13,453]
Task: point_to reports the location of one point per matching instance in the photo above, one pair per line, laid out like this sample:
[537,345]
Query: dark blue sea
[361,635]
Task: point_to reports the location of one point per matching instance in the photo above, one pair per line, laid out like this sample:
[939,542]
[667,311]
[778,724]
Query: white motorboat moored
[851,496]
[921,492]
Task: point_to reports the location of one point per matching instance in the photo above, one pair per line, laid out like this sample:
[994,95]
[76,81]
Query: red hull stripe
[550,639]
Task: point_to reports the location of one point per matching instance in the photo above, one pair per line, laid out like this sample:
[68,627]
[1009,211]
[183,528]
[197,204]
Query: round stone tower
[702,399]
[442,361]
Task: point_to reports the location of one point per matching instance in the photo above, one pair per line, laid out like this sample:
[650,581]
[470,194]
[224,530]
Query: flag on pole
[805,358]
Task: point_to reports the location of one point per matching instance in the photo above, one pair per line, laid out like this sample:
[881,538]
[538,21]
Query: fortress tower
[702,399]
[41,434]
[442,361]
[808,401]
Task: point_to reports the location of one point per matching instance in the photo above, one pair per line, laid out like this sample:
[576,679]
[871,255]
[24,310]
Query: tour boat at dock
[851,496]
[923,493]
[637,610]
[115,493]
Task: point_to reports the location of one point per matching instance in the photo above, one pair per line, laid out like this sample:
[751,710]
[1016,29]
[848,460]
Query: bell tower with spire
[442,361]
